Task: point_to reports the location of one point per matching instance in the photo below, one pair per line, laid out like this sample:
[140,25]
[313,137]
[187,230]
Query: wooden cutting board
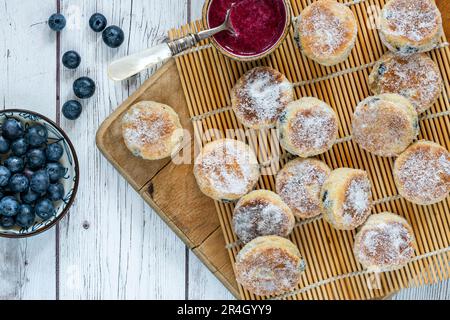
[444,6]
[171,189]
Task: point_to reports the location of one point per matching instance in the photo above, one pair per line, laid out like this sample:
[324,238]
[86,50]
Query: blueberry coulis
[258,24]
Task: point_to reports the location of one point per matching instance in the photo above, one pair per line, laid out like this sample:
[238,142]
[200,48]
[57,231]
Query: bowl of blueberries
[38,173]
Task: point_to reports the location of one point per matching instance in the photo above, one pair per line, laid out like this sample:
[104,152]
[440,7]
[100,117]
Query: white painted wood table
[111,245]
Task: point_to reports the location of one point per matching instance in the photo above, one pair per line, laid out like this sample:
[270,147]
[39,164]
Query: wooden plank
[439,291]
[112,244]
[202,283]
[181,209]
[201,219]
[27,81]
[173,192]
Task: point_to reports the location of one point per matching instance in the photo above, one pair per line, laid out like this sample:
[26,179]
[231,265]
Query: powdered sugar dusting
[228,168]
[260,217]
[313,129]
[272,271]
[412,19]
[387,244]
[261,96]
[417,78]
[358,201]
[384,127]
[424,173]
[444,163]
[299,186]
[147,128]
[322,30]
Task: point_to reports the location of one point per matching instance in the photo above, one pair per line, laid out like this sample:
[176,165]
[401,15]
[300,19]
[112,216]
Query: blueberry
[25,217]
[15,164]
[36,135]
[9,206]
[409,50]
[44,209]
[283,117]
[54,152]
[325,197]
[7,222]
[113,36]
[57,22]
[55,171]
[40,181]
[72,109]
[12,129]
[19,147]
[71,59]
[35,158]
[327,203]
[18,183]
[5,174]
[29,196]
[4,145]
[55,191]
[416,125]
[98,22]
[372,103]
[382,69]
[84,87]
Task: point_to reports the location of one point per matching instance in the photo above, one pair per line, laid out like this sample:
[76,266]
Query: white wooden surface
[111,246]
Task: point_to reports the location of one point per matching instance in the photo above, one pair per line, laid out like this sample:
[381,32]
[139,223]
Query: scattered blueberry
[4,145]
[35,159]
[9,206]
[39,181]
[84,87]
[55,171]
[15,164]
[55,191]
[71,59]
[54,152]
[19,147]
[7,222]
[5,174]
[113,36]
[57,22]
[36,135]
[25,217]
[72,109]
[29,196]
[98,22]
[44,209]
[18,183]
[12,129]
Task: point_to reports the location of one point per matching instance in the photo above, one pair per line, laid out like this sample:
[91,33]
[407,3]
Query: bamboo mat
[332,271]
